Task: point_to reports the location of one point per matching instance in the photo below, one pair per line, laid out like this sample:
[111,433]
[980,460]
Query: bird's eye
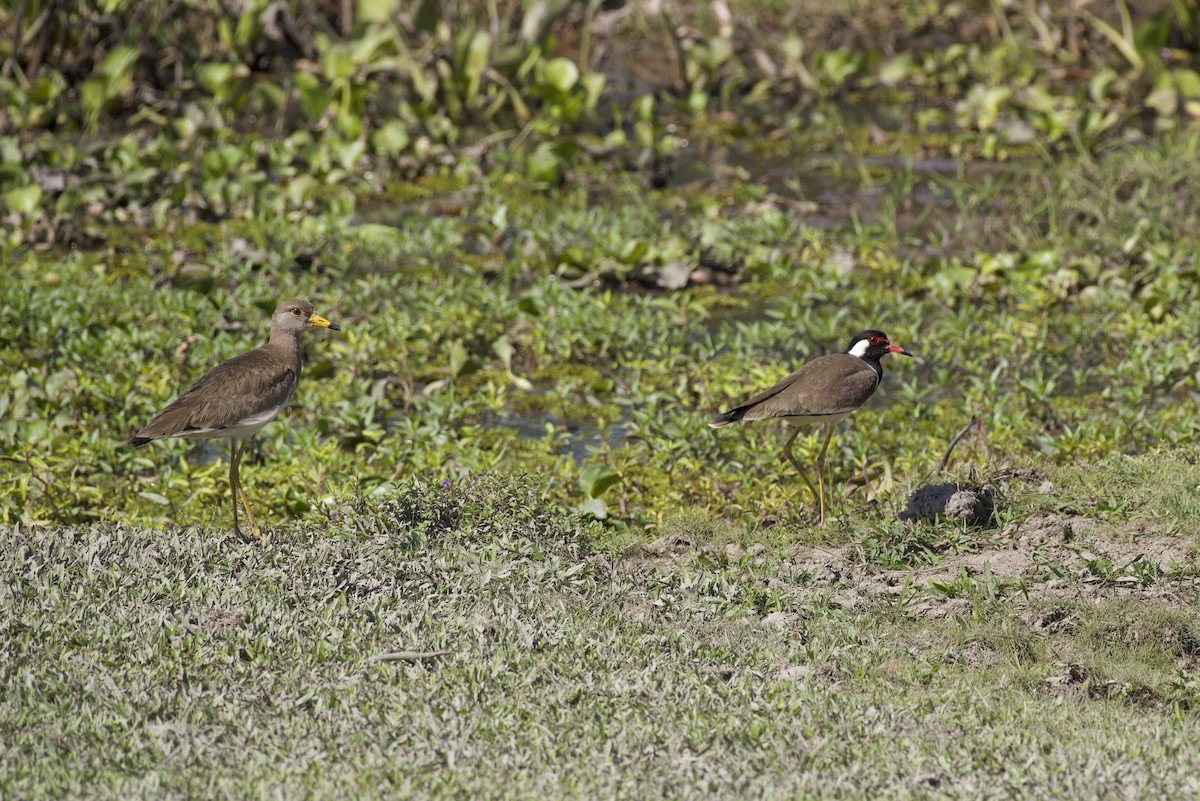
[297,312]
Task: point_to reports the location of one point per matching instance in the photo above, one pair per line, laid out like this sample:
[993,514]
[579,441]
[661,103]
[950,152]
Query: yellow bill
[321,322]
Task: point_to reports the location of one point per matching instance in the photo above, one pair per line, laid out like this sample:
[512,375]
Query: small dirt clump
[972,506]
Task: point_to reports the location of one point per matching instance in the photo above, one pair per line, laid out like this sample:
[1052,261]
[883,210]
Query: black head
[872,345]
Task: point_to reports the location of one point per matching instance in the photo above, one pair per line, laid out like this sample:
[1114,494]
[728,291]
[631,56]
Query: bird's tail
[138,442]
[722,420]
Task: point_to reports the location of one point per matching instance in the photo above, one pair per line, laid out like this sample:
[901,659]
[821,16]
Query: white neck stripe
[860,348]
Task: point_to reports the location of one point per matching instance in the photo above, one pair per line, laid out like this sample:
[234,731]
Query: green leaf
[375,10]
[92,96]
[593,86]
[530,305]
[543,164]
[44,90]
[596,507]
[897,69]
[1188,83]
[214,77]
[633,251]
[504,349]
[390,139]
[154,497]
[348,153]
[597,478]
[24,200]
[458,358]
[338,65]
[425,17]
[118,61]
[313,95]
[561,74]
[475,61]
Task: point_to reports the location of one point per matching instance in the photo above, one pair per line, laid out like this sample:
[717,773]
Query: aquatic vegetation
[558,236]
[1060,328]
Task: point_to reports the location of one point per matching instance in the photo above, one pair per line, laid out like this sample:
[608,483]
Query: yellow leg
[787,452]
[821,469]
[253,525]
[235,484]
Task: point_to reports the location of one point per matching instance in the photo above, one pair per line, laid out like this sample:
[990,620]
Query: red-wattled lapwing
[823,391]
[240,396]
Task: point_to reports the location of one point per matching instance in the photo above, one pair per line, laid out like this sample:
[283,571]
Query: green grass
[163,664]
[503,454]
[470,345]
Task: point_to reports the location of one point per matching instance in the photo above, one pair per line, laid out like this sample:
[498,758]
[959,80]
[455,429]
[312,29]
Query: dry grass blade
[941,465]
[407,656]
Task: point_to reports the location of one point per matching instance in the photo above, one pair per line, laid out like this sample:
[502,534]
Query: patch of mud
[1166,552]
[970,506]
[1037,531]
[218,621]
[977,655]
[1047,557]
[942,608]
[670,544]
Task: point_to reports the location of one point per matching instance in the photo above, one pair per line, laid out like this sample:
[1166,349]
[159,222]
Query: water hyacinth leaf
[45,89]
[505,350]
[370,11]
[543,164]
[23,200]
[593,86]
[299,187]
[347,154]
[561,74]
[337,64]
[634,251]
[1188,83]
[213,77]
[530,305]
[897,69]
[1164,99]
[390,139]
[10,151]
[474,62]
[314,98]
[366,50]
[459,359]
[714,52]
[596,479]
[248,29]
[154,497]
[92,96]
[118,62]
[596,507]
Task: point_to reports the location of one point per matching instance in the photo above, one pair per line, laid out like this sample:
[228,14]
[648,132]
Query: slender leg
[233,481]
[242,496]
[821,469]
[787,452]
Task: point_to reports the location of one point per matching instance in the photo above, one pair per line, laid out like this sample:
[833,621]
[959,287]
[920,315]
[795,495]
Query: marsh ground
[506,556]
[1053,656]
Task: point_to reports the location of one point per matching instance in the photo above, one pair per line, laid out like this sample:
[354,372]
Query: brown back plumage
[835,384]
[241,395]
[243,387]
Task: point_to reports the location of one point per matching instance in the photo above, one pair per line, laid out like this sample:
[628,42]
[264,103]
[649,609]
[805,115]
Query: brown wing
[835,384]
[247,385]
